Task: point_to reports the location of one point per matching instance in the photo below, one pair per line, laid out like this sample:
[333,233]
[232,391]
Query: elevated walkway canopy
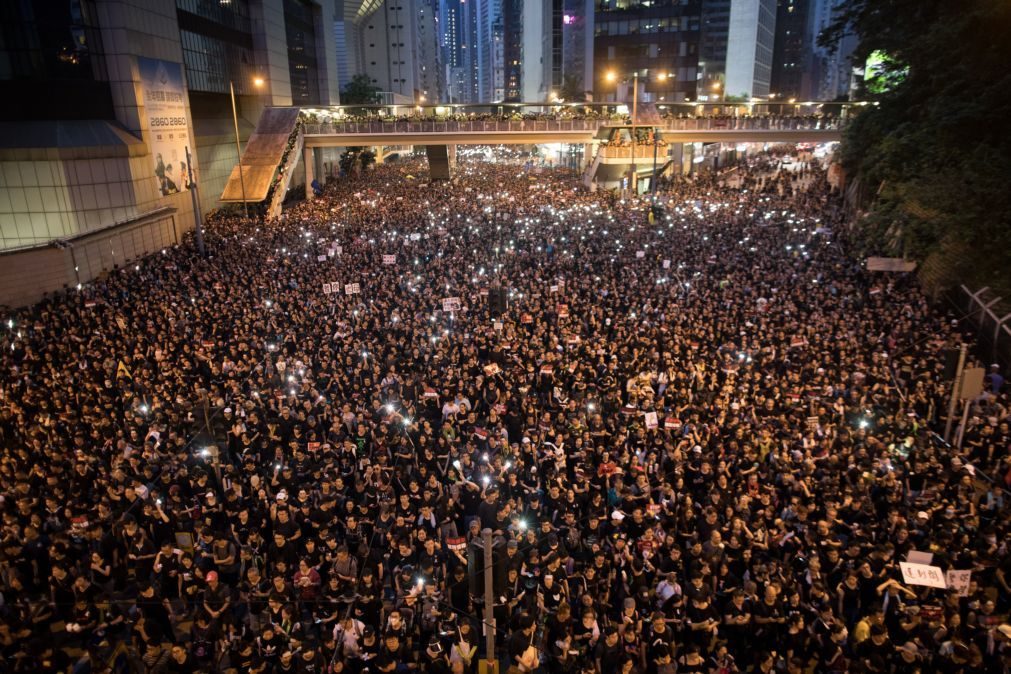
[262,155]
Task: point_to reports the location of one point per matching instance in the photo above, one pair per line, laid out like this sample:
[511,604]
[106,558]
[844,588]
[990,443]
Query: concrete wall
[28,276]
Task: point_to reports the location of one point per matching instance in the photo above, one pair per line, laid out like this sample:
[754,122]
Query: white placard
[553,289]
[498,326]
[321,258]
[958,579]
[389,259]
[352,289]
[640,254]
[338,249]
[666,264]
[416,236]
[451,304]
[917,557]
[327,289]
[922,574]
[651,420]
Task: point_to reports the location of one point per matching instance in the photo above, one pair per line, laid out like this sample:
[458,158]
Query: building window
[301,37]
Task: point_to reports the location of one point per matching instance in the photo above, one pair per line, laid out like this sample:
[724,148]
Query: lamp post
[613,77]
[257,82]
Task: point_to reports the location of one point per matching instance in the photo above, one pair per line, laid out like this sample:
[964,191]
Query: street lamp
[257,82]
[612,76]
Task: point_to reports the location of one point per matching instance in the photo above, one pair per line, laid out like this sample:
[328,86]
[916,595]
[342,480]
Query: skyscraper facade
[750,40]
[658,40]
[796,62]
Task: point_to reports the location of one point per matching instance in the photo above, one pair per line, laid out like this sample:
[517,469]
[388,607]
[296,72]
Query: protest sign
[389,259]
[352,289]
[451,304]
[922,574]
[651,420]
[958,579]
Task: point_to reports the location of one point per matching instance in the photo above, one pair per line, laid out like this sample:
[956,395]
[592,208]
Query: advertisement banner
[165,103]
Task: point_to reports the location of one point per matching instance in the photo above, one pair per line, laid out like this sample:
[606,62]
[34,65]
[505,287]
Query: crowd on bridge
[677,117]
[702,435]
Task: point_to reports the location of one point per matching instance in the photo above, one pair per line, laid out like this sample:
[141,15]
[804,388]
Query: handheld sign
[640,254]
[922,574]
[651,420]
[451,304]
[352,289]
[389,259]
[666,264]
[321,258]
[326,289]
[958,579]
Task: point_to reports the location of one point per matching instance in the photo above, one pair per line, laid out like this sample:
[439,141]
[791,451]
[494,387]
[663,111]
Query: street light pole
[652,185]
[238,151]
[635,109]
[198,230]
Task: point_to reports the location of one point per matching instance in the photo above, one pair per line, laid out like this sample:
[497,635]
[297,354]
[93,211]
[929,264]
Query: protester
[702,435]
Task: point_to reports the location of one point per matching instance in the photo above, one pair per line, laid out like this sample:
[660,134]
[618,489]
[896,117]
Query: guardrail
[572,125]
[983,308]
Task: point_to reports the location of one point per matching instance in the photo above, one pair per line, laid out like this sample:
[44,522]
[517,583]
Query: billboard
[165,103]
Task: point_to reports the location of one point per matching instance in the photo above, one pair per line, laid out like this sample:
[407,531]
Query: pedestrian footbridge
[284,136]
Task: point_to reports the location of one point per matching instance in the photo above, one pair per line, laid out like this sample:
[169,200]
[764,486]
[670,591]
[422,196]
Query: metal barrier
[992,316]
[589,124]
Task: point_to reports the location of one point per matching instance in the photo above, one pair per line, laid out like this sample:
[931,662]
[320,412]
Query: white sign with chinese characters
[922,574]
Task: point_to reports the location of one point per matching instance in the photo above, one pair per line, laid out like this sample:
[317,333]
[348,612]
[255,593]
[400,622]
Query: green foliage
[572,89]
[367,158]
[360,91]
[934,150]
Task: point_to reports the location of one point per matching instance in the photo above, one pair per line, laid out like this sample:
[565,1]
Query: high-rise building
[715,31]
[656,39]
[381,42]
[796,61]
[577,45]
[431,74]
[750,41]
[837,79]
[104,97]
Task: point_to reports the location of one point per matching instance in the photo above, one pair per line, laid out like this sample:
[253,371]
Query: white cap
[617,515]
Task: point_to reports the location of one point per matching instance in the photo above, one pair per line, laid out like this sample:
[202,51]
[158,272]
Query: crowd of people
[680,117]
[702,437]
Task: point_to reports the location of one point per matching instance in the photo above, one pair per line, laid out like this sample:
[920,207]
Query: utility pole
[652,184]
[956,388]
[635,110]
[238,151]
[489,598]
[199,225]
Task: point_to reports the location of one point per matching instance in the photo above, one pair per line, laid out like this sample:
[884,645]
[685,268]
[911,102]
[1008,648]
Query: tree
[367,158]
[933,150]
[572,89]
[360,91]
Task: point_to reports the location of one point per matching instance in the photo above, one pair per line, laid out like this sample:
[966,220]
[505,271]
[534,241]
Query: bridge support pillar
[587,155]
[319,168]
[451,154]
[438,161]
[309,159]
[378,151]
